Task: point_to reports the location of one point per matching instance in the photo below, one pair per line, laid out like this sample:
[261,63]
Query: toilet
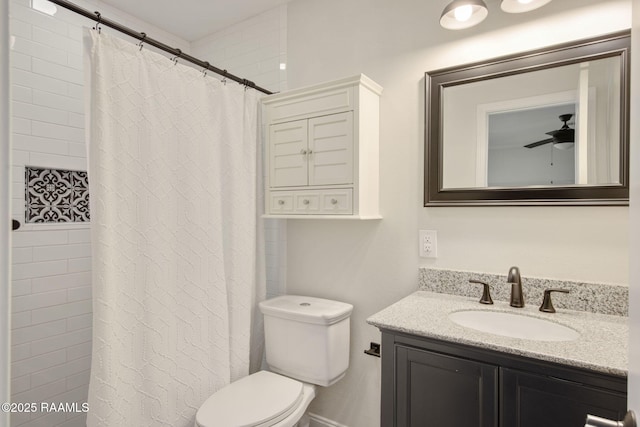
[307,345]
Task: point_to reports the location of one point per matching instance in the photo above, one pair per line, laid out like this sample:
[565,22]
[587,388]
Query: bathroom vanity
[438,373]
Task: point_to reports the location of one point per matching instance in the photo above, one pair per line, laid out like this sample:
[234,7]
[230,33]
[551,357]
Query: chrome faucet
[517,299]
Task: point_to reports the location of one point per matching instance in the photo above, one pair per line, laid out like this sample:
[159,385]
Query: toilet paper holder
[628,421]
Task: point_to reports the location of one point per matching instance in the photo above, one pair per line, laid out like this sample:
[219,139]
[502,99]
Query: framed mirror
[544,127]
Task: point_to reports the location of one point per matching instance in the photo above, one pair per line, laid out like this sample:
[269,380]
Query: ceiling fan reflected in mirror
[562,138]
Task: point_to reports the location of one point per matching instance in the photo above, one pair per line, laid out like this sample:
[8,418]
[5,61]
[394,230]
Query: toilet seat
[258,400]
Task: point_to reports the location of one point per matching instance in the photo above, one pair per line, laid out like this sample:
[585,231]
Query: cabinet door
[288,150]
[331,149]
[436,390]
[530,400]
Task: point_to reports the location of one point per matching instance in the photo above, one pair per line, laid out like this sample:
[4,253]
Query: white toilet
[307,344]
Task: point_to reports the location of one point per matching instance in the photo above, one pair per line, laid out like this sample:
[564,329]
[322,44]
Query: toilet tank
[307,338]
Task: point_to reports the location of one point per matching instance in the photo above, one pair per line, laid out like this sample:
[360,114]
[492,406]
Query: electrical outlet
[428,243]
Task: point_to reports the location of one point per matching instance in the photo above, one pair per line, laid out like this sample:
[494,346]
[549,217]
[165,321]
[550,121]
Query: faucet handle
[547,305]
[486,294]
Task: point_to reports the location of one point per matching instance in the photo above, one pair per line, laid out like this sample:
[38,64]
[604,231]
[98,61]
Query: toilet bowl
[307,344]
[263,399]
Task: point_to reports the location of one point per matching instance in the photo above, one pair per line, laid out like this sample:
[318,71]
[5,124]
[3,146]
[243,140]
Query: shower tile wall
[51,331]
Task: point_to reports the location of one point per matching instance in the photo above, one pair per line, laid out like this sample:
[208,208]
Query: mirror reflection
[552,127]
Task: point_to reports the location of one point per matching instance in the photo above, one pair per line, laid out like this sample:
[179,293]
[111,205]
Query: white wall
[51,266]
[374,263]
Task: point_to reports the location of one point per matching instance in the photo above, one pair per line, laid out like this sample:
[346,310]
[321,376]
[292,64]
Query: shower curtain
[177,250]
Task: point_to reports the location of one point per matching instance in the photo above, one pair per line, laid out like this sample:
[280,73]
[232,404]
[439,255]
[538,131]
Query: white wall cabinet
[322,151]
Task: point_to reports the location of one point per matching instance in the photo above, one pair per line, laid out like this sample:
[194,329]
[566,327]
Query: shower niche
[322,151]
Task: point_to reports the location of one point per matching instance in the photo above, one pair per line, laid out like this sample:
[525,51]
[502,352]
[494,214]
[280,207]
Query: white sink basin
[513,325]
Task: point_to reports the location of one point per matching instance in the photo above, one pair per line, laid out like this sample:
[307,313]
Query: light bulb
[463,13]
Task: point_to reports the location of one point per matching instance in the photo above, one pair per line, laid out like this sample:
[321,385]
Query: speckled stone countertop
[602,345]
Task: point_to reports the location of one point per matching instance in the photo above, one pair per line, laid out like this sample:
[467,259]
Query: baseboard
[318,421]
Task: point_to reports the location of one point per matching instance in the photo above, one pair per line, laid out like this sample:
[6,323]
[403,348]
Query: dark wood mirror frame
[612,45]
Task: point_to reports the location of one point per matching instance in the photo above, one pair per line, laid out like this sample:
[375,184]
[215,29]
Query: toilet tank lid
[306,309]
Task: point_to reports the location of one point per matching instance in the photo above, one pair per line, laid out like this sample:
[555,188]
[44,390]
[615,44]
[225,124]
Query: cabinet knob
[281,202]
[303,152]
[334,201]
[310,151]
[305,201]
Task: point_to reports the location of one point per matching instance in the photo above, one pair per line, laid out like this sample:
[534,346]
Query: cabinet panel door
[530,400]
[331,145]
[288,154]
[436,390]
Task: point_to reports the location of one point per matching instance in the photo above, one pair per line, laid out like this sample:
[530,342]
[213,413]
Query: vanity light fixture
[461,14]
[519,6]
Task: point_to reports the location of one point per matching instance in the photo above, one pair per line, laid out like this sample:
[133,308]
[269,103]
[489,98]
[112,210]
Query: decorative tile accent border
[583,296]
[56,195]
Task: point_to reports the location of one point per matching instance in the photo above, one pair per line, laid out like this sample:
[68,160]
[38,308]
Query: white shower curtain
[177,251]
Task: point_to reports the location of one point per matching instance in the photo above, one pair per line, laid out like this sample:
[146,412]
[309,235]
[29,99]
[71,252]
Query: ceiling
[193,19]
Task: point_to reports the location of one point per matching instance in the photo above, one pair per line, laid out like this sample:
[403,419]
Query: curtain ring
[144,36]
[204,70]
[224,77]
[98,22]
[178,55]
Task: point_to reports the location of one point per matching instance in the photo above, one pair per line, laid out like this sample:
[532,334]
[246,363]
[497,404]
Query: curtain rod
[96,16]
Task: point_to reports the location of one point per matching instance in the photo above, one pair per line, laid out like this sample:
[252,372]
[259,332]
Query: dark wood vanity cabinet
[431,383]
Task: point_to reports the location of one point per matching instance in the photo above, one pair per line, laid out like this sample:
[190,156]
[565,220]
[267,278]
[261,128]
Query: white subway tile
[78,351]
[39,50]
[20,352]
[58,162]
[75,90]
[38,19]
[79,264]
[59,252]
[82,295]
[19,28]
[38,81]
[41,145]
[31,333]
[35,301]
[79,322]
[19,157]
[59,102]
[79,236]
[21,320]
[61,341]
[17,173]
[60,372]
[37,363]
[20,287]
[38,238]
[21,93]
[77,150]
[50,130]
[20,384]
[41,394]
[21,255]
[79,380]
[56,40]
[62,311]
[77,121]
[60,72]
[20,61]
[63,281]
[20,126]
[37,112]
[75,61]
[39,269]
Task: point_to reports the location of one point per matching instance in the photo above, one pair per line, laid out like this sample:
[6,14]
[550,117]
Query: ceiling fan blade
[539,143]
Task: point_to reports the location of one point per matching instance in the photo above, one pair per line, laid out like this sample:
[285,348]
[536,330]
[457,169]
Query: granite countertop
[602,345]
